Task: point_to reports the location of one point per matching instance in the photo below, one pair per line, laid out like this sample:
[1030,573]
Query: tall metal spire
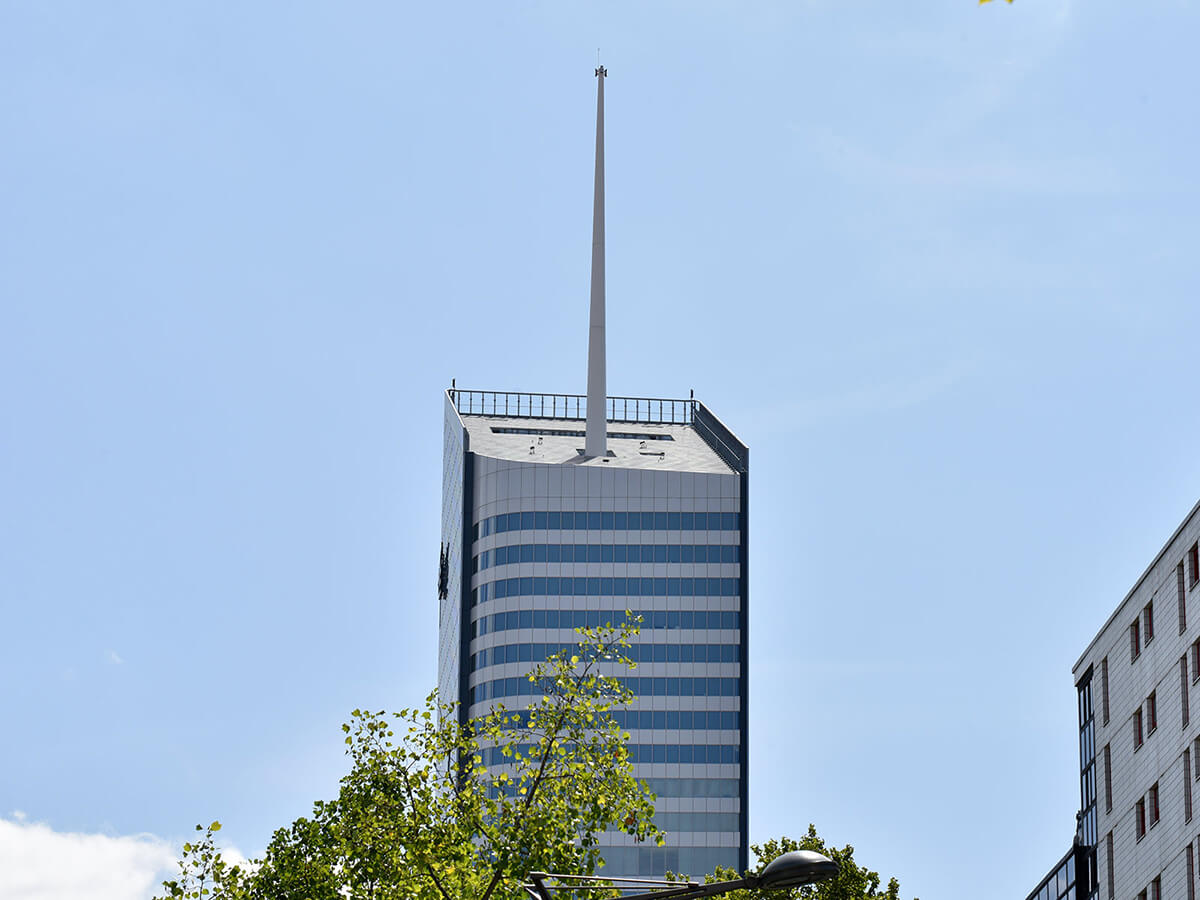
[595,441]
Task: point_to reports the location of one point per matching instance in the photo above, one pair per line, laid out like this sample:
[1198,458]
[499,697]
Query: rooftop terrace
[643,432]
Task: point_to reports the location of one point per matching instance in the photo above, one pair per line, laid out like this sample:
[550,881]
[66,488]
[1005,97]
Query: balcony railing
[516,404]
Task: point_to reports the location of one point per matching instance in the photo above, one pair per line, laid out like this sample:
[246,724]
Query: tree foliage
[853,882]
[436,810]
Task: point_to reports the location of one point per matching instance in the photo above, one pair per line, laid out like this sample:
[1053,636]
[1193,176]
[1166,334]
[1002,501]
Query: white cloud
[38,863]
[114,658]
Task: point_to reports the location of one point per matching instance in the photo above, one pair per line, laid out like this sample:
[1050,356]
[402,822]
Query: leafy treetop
[422,815]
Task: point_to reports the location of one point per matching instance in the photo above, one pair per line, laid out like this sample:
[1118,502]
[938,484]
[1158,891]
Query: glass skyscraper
[539,538]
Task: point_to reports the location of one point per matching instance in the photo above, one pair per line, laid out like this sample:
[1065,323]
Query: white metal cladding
[503,485]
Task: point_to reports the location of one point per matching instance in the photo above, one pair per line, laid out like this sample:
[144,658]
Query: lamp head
[796,868]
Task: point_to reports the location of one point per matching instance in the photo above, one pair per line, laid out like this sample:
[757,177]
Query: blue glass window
[687,619]
[620,521]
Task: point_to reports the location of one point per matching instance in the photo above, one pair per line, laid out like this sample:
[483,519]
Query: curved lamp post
[787,871]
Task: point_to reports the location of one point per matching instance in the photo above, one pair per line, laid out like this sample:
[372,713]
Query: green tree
[853,882]
[435,810]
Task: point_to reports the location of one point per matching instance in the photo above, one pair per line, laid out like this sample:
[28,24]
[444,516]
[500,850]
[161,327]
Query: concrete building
[1137,835]
[560,511]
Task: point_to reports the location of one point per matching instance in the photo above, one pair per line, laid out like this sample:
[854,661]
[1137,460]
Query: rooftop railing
[573,407]
[517,404]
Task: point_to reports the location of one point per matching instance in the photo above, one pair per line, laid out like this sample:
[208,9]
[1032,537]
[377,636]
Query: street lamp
[789,870]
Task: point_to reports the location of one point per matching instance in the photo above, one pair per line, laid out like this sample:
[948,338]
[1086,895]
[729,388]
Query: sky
[933,262]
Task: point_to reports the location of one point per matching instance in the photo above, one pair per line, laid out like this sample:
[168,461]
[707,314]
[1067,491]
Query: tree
[435,810]
[853,882]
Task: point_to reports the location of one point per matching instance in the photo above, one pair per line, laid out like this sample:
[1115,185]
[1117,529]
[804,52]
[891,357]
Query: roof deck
[643,433]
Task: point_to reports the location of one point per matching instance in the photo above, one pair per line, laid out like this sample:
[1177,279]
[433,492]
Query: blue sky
[934,262]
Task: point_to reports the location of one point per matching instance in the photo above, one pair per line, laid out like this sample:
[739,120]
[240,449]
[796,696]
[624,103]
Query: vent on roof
[622,435]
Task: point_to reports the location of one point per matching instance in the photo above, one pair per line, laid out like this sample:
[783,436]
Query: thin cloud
[872,400]
[39,863]
[1066,175]
[114,658]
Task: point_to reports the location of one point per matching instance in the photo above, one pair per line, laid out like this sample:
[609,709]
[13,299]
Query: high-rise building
[561,511]
[1139,744]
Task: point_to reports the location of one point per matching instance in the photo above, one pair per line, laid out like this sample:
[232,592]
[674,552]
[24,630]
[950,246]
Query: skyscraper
[562,510]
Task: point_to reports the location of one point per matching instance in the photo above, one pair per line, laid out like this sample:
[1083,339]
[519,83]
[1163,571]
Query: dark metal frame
[464,599]
[538,889]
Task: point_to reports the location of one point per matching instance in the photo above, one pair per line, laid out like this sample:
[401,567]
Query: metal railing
[517,404]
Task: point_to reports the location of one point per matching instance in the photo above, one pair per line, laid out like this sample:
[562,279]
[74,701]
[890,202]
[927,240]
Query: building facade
[1138,835]
[539,538]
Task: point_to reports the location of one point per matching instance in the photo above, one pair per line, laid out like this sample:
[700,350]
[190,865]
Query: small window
[1191,873]
[1107,779]
[1142,893]
[1187,785]
[1196,757]
[1196,660]
[1152,803]
[1152,712]
[1148,622]
[1104,688]
[1156,888]
[1183,690]
[1108,858]
[1137,728]
[1140,821]
[1194,565]
[1135,640]
[1181,594]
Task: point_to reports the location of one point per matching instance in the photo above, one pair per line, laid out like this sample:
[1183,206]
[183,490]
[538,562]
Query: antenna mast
[595,435]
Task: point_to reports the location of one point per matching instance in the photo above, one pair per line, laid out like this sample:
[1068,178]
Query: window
[1135,640]
[1107,779]
[1151,712]
[1182,595]
[1141,894]
[1196,756]
[1152,803]
[1193,565]
[1187,785]
[1104,688]
[1148,622]
[1137,728]
[1183,690]
[1156,888]
[1196,659]
[1108,859]
[1191,873]
[1140,818]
